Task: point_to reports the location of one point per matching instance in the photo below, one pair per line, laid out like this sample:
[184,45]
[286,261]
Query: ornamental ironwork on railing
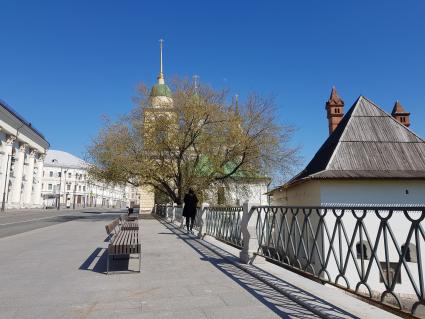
[377,252]
[178,214]
[198,219]
[173,213]
[161,210]
[224,223]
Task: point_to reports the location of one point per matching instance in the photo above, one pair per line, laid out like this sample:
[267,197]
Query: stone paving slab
[58,272]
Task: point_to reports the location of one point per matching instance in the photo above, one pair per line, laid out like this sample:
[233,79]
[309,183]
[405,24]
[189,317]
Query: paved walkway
[58,272]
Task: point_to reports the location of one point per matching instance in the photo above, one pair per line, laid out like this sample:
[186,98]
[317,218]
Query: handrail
[370,251]
[224,223]
[373,251]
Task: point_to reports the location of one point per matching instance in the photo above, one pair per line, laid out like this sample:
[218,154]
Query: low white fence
[376,252]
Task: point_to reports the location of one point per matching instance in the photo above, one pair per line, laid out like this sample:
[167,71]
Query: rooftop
[58,158]
[8,108]
[368,144]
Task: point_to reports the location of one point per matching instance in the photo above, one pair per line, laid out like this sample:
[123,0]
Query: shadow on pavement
[273,299]
[96,262]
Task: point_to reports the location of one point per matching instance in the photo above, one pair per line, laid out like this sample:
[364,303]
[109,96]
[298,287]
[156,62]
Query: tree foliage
[197,141]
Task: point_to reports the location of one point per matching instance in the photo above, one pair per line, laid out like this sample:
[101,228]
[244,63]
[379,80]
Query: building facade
[370,159]
[22,153]
[66,184]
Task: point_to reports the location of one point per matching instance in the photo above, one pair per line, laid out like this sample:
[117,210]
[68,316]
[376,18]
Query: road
[16,222]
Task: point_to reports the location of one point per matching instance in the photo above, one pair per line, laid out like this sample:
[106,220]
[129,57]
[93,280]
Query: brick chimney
[400,114]
[335,110]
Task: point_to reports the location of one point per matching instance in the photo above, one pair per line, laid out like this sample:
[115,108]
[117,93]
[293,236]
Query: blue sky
[66,63]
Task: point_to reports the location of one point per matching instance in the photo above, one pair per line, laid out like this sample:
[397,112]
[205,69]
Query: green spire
[160,89]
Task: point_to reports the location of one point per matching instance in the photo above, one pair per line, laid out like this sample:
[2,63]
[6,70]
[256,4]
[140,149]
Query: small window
[410,253]
[364,249]
[51,174]
[69,175]
[68,187]
[390,272]
[79,188]
[84,188]
[59,174]
[50,187]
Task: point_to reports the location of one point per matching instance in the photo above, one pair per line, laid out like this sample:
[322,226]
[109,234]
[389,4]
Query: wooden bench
[129,225]
[123,240]
[112,228]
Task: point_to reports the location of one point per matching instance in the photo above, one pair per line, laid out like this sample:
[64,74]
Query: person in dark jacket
[189,210]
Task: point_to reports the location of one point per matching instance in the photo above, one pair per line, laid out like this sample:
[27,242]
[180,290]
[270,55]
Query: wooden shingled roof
[367,144]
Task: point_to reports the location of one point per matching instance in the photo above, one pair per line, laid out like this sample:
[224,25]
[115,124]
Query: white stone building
[21,161]
[371,158]
[67,184]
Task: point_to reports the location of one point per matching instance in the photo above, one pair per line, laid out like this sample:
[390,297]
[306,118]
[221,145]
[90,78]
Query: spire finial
[195,82]
[161,74]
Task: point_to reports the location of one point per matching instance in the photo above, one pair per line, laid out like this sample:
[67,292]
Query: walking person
[189,210]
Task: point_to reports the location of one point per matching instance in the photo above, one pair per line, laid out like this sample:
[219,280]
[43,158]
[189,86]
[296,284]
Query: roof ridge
[349,114]
[333,150]
[390,116]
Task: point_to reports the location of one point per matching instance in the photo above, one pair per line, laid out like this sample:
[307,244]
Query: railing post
[203,220]
[173,213]
[182,218]
[249,234]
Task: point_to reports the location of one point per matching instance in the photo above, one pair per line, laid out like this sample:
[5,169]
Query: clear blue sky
[65,63]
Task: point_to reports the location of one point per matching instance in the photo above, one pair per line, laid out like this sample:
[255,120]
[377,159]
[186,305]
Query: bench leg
[140,261]
[107,265]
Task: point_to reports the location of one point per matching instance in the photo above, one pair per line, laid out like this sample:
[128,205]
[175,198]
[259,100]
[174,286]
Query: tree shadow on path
[266,294]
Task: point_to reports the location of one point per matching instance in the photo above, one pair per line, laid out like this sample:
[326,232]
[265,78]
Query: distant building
[21,161]
[66,183]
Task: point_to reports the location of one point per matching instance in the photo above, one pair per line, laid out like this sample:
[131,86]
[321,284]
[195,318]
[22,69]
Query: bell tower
[400,114]
[334,109]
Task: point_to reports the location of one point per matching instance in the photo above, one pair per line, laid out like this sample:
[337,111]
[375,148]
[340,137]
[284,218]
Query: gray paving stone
[57,272]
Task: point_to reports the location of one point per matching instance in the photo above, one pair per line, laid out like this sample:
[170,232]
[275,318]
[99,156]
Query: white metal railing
[375,252]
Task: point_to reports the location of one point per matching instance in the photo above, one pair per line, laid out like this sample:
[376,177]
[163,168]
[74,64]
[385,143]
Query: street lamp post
[59,195]
[3,203]
[60,186]
[75,190]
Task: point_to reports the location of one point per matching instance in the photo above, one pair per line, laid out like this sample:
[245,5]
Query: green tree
[197,141]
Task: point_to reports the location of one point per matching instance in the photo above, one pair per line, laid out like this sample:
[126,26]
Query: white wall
[366,192]
[304,194]
[236,193]
[255,193]
[385,192]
